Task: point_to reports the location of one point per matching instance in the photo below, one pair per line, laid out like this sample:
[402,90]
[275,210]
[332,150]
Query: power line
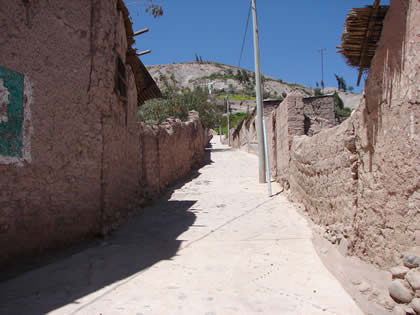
[243,41]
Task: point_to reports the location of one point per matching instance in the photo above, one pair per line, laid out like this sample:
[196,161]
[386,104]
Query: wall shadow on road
[63,277]
[140,243]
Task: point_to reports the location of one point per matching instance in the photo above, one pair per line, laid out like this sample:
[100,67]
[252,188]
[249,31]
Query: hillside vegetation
[240,82]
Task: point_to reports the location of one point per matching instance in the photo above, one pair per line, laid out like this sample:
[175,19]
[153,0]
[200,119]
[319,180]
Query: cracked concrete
[216,245]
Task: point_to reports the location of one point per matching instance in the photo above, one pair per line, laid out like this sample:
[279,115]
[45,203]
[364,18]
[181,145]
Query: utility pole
[322,68]
[260,135]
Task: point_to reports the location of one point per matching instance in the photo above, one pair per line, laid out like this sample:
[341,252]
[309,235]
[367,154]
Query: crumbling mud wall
[170,151]
[388,141]
[181,147]
[50,192]
[296,115]
[75,165]
[366,172]
[319,114]
[323,174]
[116,101]
[271,124]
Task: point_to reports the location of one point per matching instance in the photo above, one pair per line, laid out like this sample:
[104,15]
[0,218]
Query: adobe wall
[50,192]
[181,147]
[283,122]
[365,172]
[120,154]
[323,174]
[388,141]
[77,162]
[170,151]
[271,125]
[320,114]
[151,160]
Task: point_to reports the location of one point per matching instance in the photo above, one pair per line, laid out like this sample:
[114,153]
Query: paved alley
[214,245]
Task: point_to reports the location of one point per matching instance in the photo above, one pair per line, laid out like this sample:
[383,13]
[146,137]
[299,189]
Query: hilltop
[225,77]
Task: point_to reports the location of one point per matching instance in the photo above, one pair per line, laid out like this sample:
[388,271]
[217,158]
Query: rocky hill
[225,77]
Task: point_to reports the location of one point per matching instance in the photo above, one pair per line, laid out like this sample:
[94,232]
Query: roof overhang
[362,32]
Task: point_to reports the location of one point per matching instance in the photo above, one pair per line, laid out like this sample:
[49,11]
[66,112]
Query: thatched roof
[146,86]
[362,32]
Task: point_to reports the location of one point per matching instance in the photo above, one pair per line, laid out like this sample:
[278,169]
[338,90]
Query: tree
[245,76]
[351,89]
[238,76]
[341,83]
[151,7]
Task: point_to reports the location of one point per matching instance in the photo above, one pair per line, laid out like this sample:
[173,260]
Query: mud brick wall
[289,122]
[319,113]
[80,162]
[323,174]
[270,126]
[181,147]
[366,172]
[49,195]
[388,139]
[170,151]
[151,161]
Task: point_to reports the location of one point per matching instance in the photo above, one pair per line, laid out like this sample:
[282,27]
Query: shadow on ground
[66,276]
[143,241]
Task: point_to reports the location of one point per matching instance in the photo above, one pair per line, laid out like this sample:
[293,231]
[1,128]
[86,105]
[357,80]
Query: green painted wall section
[11,132]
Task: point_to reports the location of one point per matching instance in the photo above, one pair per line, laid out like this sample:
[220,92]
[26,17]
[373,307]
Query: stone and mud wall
[296,115]
[365,173]
[76,164]
[49,193]
[170,151]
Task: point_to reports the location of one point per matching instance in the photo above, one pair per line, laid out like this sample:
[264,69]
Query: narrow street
[216,244]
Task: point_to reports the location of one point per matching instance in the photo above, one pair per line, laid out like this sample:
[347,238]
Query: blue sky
[291,33]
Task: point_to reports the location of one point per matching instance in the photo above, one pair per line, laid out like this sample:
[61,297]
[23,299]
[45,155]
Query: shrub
[343,112]
[317,92]
[177,105]
[234,120]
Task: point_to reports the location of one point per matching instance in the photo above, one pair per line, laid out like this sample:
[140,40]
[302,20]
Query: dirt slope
[192,74]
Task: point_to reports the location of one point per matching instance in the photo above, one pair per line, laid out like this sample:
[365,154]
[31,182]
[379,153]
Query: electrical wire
[246,30]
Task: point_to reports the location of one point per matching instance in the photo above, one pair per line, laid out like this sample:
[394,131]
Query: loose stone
[411,261]
[399,272]
[413,278]
[399,292]
[415,304]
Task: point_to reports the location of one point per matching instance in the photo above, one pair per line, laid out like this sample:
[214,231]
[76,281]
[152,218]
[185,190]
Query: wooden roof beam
[365,46]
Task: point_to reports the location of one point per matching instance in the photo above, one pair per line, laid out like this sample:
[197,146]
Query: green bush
[234,120]
[340,110]
[338,102]
[343,112]
[317,92]
[177,105]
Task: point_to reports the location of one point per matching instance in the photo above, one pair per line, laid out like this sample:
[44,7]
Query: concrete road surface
[215,245]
